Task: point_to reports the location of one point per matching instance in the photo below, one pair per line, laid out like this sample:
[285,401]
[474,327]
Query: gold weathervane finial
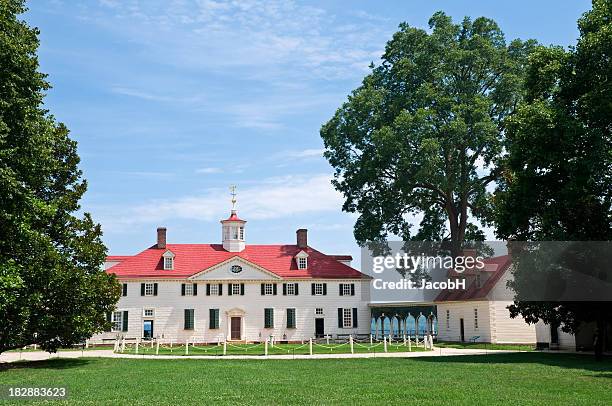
[233,193]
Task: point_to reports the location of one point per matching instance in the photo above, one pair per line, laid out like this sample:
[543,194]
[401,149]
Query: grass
[516,378]
[485,346]
[279,349]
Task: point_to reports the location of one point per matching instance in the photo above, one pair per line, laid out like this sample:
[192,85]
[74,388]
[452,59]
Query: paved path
[437,352]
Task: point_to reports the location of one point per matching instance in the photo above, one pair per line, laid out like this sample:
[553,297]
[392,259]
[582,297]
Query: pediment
[226,270]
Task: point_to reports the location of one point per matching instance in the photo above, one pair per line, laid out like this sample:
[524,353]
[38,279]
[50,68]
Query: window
[448,319]
[189,319]
[234,233]
[213,315]
[478,280]
[168,263]
[188,289]
[235,288]
[213,290]
[148,313]
[268,318]
[291,289]
[302,263]
[347,318]
[319,311]
[347,289]
[475,318]
[318,289]
[290,318]
[268,289]
[149,289]
[117,321]
[242,233]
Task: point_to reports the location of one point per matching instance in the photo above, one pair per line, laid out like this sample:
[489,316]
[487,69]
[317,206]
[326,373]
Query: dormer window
[168,260]
[302,260]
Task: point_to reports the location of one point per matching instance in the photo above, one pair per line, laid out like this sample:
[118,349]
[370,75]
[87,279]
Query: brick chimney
[161,237]
[302,238]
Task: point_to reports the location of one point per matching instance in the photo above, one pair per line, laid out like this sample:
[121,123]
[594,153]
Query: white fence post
[156,347]
[385,343]
[123,344]
[187,346]
[266,348]
[370,339]
[137,342]
[404,340]
[310,345]
[409,345]
[351,342]
[225,347]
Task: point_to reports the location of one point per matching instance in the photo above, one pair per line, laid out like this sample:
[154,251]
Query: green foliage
[424,130]
[559,164]
[52,289]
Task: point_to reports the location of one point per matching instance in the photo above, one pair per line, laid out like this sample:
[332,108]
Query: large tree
[52,289]
[424,130]
[557,185]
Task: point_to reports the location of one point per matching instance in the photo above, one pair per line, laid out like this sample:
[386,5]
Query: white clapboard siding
[169,308]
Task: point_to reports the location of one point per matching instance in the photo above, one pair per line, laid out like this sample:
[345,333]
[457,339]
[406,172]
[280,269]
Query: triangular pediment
[235,268]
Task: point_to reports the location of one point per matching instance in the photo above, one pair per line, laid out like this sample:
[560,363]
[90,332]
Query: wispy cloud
[276,34]
[208,170]
[272,198]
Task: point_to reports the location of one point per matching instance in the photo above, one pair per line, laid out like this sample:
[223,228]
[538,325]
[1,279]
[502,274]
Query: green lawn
[483,346]
[509,379]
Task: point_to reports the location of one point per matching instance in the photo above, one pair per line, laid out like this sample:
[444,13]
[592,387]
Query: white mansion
[237,291]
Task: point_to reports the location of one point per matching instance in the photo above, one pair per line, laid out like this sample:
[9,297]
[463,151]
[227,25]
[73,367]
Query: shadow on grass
[571,361]
[57,363]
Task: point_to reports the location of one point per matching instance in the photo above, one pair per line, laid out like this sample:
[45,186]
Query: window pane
[347,318]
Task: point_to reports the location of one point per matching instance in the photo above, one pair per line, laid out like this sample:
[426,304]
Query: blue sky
[172,101]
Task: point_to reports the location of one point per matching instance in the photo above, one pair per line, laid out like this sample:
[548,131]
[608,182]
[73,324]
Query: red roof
[342,257]
[495,268]
[193,258]
[234,217]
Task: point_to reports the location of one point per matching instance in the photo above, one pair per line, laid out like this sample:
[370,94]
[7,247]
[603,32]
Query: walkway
[437,352]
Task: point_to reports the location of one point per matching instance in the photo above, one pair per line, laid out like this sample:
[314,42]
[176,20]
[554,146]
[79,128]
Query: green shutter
[124,320]
[340,317]
[354,317]
[242,289]
[195,289]
[268,318]
[182,289]
[189,316]
[229,289]
[213,318]
[290,318]
[208,289]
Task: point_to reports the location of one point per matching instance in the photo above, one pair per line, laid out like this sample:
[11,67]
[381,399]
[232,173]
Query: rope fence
[312,346]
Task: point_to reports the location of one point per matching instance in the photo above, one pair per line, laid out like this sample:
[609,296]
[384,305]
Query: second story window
[318,289]
[149,289]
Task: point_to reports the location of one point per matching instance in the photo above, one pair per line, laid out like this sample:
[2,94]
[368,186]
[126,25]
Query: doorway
[319,327]
[462,330]
[147,329]
[235,328]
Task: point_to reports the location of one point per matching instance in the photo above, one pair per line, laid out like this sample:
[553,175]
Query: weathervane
[233,193]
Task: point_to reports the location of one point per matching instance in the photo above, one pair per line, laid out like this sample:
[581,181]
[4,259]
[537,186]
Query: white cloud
[272,34]
[208,170]
[306,153]
[269,199]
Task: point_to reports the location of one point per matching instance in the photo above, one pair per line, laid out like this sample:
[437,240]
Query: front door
[319,327]
[147,329]
[461,330]
[235,328]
